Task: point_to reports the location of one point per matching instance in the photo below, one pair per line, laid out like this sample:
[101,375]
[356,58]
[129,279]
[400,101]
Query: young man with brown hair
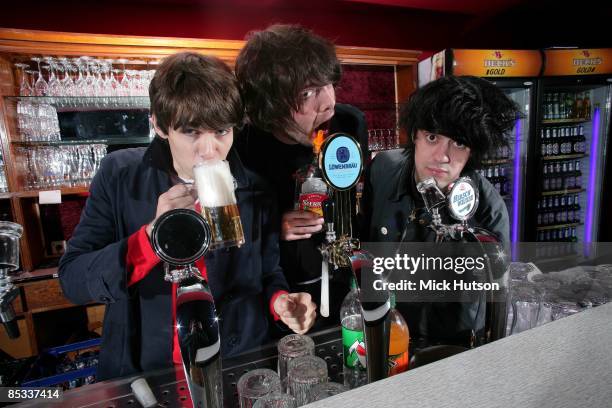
[195,104]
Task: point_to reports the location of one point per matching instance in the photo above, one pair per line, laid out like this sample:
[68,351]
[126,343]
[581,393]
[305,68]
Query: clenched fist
[296,310]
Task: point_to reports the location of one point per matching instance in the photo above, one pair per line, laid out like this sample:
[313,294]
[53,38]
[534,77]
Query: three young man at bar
[285,79]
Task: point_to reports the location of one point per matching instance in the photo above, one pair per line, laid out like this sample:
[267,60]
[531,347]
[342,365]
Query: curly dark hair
[274,67]
[194,90]
[469,110]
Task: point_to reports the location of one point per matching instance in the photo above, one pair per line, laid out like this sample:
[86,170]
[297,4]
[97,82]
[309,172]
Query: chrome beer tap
[180,237]
[8,293]
[462,201]
[341,163]
[10,233]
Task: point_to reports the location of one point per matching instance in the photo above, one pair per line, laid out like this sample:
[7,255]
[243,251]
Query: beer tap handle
[324,308]
[12,329]
[329,209]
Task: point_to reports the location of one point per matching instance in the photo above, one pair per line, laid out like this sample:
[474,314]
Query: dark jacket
[137,332]
[390,196]
[393,211]
[277,162]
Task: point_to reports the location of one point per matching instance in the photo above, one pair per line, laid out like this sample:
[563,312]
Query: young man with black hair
[195,104]
[451,123]
[287,77]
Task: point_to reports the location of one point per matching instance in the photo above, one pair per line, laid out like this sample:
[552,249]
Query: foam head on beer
[215,187]
[214,183]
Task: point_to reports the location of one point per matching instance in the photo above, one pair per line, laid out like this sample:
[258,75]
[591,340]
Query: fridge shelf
[555,226]
[495,161]
[557,192]
[565,157]
[564,121]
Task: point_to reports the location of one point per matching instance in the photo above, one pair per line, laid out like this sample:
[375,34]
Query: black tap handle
[329,208]
[12,330]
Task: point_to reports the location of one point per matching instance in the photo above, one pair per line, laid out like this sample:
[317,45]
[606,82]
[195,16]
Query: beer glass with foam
[215,186]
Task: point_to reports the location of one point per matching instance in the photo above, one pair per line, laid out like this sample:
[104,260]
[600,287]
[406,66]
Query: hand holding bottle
[299,224]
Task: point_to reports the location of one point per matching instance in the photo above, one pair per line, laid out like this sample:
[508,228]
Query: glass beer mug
[215,187]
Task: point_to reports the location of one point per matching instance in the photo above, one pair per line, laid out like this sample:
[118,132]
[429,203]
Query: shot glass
[255,384]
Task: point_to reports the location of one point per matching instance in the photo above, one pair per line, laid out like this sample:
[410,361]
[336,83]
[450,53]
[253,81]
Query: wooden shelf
[64,190]
[35,275]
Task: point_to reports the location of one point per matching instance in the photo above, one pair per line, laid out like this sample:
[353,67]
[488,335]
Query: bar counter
[566,363]
[563,364]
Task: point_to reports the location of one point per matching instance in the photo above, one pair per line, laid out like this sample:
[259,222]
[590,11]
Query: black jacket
[392,211]
[137,332]
[277,162]
[390,196]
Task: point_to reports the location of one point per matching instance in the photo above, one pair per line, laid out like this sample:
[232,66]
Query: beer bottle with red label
[310,188]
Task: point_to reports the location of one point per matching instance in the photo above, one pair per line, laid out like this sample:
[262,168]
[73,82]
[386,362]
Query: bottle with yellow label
[399,340]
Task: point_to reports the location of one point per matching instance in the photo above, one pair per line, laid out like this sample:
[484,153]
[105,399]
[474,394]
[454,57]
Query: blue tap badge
[341,161]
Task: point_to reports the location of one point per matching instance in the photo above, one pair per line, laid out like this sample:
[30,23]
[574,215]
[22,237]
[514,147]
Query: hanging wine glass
[24,87]
[67,83]
[80,84]
[40,86]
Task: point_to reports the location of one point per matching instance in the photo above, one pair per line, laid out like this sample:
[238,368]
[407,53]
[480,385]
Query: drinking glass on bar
[256,384]
[327,389]
[289,348]
[215,186]
[303,375]
[276,400]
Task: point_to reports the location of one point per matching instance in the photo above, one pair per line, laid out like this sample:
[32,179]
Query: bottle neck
[353,283]
[392,299]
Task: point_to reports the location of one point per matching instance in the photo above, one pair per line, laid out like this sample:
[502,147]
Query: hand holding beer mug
[215,186]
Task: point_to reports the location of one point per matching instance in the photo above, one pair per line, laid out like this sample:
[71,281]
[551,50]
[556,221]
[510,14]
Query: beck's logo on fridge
[586,63]
[498,61]
[496,64]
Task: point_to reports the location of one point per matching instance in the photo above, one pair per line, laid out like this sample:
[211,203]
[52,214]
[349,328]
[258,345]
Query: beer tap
[8,293]
[330,237]
[180,237]
[341,163]
[10,233]
[462,202]
[434,200]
